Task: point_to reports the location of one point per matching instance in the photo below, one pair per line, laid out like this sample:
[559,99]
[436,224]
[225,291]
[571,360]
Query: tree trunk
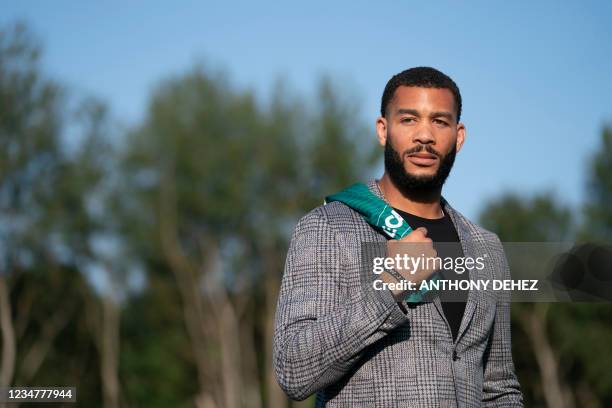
[556,394]
[110,353]
[227,325]
[229,341]
[276,396]
[185,273]
[36,354]
[9,349]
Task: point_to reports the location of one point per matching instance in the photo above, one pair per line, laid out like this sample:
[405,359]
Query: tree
[568,341]
[219,180]
[537,219]
[597,209]
[50,201]
[30,157]
[583,330]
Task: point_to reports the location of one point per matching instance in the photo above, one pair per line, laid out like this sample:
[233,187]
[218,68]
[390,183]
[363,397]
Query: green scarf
[381,216]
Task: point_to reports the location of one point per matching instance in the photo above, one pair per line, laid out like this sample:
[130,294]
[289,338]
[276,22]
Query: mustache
[420,148]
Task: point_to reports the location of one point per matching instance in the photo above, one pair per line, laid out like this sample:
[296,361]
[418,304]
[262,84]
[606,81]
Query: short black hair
[424,77]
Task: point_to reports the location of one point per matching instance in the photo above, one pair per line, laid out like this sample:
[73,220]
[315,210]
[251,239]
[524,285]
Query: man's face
[421,136]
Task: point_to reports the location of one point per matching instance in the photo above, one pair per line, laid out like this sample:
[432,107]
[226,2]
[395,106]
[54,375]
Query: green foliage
[156,363]
[584,330]
[598,211]
[30,138]
[232,174]
[580,333]
[236,174]
[515,218]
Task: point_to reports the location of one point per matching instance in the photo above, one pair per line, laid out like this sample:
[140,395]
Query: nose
[423,135]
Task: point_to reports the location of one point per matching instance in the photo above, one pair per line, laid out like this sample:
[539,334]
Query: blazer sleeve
[501,387]
[321,329]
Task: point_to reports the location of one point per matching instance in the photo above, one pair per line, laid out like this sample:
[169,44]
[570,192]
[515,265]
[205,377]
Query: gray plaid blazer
[360,349]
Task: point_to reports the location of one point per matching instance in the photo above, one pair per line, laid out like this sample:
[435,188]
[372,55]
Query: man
[360,347]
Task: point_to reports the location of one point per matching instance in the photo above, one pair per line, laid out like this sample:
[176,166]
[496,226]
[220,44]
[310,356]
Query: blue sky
[535,78]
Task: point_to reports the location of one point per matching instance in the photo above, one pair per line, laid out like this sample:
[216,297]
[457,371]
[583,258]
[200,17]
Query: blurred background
[155,157]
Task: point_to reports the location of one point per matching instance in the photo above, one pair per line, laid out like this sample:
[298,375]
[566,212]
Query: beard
[409,184]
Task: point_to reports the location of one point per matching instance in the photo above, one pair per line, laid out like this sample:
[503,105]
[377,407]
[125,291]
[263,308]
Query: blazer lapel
[469,250]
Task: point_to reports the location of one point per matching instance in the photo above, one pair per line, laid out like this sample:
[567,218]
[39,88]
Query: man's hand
[414,245]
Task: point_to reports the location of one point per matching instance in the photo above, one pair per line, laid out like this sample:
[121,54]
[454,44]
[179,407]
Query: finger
[421,230]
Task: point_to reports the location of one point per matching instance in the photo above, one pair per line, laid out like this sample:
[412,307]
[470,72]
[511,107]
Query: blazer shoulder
[334,215]
[487,235]
[476,230]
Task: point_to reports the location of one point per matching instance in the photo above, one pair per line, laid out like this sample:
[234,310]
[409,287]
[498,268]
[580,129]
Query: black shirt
[443,233]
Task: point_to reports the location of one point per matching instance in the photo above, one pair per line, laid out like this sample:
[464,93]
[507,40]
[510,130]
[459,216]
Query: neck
[421,204]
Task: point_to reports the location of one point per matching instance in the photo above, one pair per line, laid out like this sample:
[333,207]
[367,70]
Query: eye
[440,122]
[407,120]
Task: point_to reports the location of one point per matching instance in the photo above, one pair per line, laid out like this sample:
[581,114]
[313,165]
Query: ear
[461,133]
[381,130]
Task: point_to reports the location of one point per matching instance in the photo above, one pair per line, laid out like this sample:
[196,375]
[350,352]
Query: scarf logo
[392,223]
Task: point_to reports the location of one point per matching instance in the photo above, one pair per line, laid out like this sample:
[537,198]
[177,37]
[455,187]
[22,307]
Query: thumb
[423,230]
